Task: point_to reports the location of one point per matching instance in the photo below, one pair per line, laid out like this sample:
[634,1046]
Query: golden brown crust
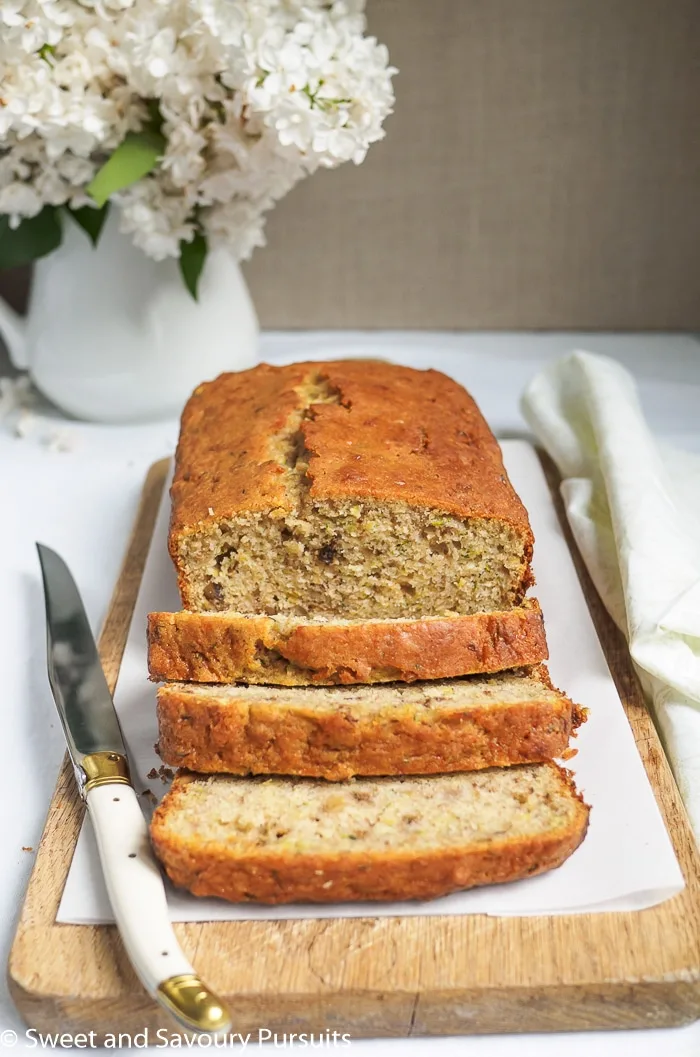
[395,434]
[266,876]
[237,736]
[402,434]
[226,648]
[223,459]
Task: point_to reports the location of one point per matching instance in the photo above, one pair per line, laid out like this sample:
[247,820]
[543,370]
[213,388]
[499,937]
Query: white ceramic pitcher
[113,336]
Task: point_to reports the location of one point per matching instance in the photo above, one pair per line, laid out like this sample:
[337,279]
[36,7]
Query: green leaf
[192,257]
[35,237]
[91,220]
[135,157]
[46,52]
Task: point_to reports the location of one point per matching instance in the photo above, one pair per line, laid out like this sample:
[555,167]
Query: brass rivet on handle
[193,1004]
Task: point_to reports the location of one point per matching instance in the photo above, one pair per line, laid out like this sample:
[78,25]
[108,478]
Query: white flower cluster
[253,94]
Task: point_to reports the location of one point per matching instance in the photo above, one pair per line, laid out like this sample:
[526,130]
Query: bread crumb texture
[282,840]
[425,728]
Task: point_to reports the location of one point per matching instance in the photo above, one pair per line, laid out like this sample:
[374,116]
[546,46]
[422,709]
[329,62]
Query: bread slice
[230,647]
[335,733]
[298,840]
[350,489]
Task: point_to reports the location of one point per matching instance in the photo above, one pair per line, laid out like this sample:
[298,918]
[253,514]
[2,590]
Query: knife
[96,747]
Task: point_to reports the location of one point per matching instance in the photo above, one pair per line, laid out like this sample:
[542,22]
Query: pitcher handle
[13,329]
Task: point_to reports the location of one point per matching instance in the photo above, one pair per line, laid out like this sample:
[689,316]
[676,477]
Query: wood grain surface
[373,976]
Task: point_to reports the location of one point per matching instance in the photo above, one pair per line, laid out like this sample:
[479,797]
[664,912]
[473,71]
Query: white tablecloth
[82,502]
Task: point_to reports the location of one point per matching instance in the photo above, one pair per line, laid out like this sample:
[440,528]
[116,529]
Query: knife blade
[79,687]
[98,754]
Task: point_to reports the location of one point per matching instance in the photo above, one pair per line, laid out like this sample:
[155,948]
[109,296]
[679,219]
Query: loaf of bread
[296,840]
[355,489]
[284,651]
[336,733]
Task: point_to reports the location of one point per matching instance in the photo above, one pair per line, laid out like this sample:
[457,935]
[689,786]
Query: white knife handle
[137,894]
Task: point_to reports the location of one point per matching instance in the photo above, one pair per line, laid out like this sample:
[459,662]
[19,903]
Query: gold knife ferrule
[193,1004]
[104,768]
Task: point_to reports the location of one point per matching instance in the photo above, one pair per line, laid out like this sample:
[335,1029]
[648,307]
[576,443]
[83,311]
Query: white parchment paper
[626,861]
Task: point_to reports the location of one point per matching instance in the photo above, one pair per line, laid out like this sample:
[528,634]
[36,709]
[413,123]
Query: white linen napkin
[634,509]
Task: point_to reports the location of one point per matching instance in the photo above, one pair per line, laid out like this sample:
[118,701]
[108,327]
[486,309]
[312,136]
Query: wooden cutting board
[373,976]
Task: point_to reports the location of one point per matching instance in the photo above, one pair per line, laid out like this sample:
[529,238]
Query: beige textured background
[542,171]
